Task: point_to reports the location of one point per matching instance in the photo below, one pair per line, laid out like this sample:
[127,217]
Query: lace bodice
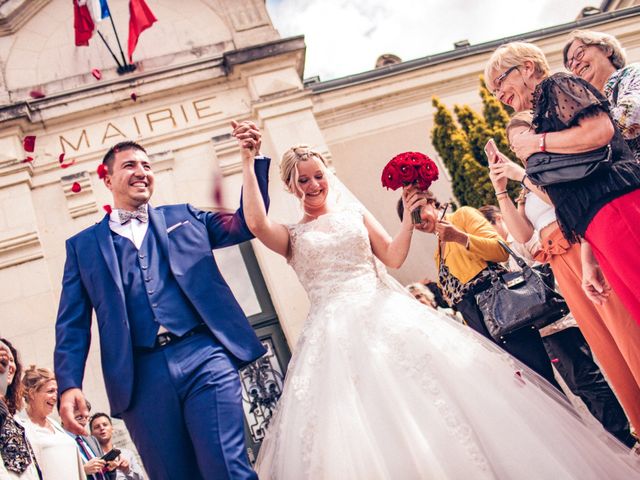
[332,256]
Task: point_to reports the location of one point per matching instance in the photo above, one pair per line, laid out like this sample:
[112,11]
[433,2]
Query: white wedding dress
[382,387]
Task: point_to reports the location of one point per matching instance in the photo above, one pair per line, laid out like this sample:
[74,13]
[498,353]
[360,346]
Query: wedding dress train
[383,387]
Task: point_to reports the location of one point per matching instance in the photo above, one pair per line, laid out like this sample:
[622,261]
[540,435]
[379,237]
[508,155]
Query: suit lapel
[159,224]
[105,242]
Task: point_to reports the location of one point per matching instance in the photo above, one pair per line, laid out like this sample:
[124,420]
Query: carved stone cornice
[20,248]
[15,13]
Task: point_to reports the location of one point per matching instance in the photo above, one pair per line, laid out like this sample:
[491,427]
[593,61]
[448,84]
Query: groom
[172,336]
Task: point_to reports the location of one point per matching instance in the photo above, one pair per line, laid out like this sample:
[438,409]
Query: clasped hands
[249,138]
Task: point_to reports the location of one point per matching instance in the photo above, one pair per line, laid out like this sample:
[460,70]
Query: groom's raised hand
[248,136]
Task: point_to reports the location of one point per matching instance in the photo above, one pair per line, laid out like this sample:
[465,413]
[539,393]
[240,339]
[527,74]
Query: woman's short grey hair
[512,55]
[605,42]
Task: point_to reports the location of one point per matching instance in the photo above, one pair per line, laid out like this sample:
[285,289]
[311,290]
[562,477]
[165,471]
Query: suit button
[141,256]
[144,267]
[154,305]
[150,292]
[148,279]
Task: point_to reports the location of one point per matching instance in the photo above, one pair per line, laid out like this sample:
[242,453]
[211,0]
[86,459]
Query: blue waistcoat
[152,295]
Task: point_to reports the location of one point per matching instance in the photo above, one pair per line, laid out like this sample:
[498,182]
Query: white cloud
[344,37]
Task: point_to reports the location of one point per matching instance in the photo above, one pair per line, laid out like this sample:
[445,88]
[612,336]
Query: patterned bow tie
[140,213]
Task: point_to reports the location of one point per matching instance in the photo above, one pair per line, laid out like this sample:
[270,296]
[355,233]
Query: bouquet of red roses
[407,169]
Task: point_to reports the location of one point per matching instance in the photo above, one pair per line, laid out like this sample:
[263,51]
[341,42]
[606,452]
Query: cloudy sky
[344,37]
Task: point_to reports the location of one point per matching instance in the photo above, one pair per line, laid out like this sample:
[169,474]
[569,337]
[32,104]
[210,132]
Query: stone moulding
[21,248]
[83,202]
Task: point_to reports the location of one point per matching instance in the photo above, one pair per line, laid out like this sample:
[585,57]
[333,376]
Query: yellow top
[465,263]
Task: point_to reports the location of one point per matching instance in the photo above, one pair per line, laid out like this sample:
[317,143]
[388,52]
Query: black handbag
[544,168]
[517,300]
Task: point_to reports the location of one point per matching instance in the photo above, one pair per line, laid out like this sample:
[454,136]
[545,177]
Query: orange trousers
[610,330]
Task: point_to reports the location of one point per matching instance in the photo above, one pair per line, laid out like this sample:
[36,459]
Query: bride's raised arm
[274,235]
[393,251]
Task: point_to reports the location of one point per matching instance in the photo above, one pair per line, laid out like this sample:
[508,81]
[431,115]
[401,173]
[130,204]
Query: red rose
[107,208]
[428,171]
[391,176]
[407,167]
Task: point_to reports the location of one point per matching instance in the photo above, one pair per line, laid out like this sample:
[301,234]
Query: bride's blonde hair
[289,164]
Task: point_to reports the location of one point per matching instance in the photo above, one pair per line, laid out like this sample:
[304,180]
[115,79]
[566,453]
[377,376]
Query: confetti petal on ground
[96,73]
[75,188]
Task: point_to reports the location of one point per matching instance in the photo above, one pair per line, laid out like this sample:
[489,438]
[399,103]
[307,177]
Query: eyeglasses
[578,54]
[501,78]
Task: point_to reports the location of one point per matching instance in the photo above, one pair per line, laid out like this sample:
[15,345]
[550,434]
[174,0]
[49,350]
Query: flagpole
[126,67]
[109,48]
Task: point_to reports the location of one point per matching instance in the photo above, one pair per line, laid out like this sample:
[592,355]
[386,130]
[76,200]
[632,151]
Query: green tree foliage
[470,180]
[461,147]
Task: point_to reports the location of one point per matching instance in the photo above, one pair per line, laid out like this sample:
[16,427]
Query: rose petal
[107,208]
[96,73]
[134,96]
[102,171]
[27,160]
[36,94]
[68,164]
[75,188]
[29,143]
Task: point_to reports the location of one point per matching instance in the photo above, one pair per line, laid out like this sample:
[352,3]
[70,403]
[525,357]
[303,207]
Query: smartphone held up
[491,151]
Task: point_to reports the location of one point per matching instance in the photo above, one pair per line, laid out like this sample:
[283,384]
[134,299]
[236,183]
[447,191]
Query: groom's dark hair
[110,156]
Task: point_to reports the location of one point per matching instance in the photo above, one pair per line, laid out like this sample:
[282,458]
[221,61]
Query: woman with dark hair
[468,249]
[18,459]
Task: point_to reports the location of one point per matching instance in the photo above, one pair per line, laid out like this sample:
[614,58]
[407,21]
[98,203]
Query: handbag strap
[521,263]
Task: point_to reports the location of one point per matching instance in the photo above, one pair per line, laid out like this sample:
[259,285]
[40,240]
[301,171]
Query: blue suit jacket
[92,281]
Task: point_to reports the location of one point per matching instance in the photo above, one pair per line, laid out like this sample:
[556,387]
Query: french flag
[86,16]
[140,18]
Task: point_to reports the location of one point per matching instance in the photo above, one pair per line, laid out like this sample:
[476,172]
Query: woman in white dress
[383,387]
[55,450]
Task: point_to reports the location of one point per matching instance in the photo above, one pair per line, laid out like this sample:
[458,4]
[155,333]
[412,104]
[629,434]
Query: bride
[383,387]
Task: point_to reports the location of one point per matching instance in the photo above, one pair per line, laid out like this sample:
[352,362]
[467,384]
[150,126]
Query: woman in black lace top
[570,116]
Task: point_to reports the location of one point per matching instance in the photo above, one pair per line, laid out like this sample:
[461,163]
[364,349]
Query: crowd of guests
[34,446]
[584,228]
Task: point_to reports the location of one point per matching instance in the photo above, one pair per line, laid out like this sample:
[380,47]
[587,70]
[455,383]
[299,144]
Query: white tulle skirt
[382,387]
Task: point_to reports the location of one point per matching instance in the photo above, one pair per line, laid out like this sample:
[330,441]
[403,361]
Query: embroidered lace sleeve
[562,100]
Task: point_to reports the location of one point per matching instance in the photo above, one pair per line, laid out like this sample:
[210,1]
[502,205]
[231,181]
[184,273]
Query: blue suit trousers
[186,415]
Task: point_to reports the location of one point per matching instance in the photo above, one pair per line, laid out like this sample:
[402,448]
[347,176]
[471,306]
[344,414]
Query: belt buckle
[163,339]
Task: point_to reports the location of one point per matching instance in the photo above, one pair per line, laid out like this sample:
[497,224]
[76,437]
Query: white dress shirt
[134,229]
